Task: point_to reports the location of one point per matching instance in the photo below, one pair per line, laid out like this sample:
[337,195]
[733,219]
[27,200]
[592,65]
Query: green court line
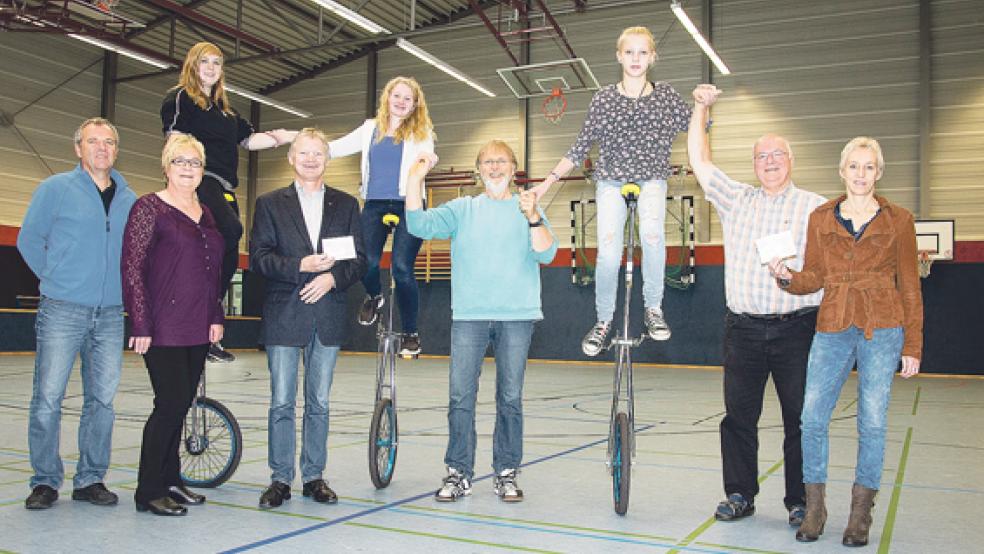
[915,402]
[893,505]
[849,404]
[272,512]
[710,521]
[448,538]
[739,548]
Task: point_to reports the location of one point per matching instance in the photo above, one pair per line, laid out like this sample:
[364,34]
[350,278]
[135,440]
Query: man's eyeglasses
[184,162]
[500,161]
[777,155]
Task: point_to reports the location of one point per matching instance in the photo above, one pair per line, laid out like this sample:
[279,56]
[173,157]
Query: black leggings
[174,374]
[226,214]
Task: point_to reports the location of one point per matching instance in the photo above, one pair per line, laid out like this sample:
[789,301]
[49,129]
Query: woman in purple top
[172,261]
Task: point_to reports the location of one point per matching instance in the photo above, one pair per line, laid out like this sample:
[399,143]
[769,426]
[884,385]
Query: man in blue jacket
[71,238]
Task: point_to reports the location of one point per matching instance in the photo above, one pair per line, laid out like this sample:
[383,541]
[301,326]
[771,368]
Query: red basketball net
[554,105]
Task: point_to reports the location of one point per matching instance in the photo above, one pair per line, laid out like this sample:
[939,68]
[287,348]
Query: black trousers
[754,349]
[174,374]
[226,214]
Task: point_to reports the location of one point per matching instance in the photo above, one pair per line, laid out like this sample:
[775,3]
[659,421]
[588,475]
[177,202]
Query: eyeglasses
[500,161]
[777,155]
[184,162]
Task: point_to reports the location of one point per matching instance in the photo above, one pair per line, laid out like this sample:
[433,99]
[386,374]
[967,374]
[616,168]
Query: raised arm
[698,145]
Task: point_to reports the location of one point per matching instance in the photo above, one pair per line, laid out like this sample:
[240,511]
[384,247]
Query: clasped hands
[320,285]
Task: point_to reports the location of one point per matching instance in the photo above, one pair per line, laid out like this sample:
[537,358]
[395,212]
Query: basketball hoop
[106,5]
[925,262]
[554,106]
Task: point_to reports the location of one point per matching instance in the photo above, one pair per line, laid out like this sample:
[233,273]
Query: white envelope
[340,248]
[779,245]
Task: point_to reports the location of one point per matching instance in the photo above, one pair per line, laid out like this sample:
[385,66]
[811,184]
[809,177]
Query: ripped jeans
[612,214]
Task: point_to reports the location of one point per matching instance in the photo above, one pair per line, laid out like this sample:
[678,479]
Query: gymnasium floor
[932,491]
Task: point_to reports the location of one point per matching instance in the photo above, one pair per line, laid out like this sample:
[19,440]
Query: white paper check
[340,248]
[779,245]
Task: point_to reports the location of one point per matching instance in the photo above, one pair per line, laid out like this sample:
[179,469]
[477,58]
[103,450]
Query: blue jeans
[511,343]
[66,330]
[404,254]
[319,366]
[831,359]
[612,214]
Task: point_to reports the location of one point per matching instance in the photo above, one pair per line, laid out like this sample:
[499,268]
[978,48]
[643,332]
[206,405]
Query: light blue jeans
[511,343]
[66,330]
[612,214]
[831,358]
[319,367]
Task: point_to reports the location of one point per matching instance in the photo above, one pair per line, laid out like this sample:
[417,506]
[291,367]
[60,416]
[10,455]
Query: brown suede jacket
[872,283]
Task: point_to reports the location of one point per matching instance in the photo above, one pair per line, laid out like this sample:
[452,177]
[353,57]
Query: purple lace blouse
[171,270]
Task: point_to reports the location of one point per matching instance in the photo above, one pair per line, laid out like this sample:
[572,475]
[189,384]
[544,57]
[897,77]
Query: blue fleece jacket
[70,242]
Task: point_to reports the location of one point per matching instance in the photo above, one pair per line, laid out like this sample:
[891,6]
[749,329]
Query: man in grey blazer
[304,311]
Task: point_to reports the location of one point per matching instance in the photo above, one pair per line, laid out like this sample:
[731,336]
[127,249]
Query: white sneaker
[655,324]
[504,484]
[453,487]
[594,341]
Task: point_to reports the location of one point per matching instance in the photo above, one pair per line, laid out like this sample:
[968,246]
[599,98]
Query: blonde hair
[192,83]
[177,141]
[637,31]
[863,142]
[496,144]
[312,133]
[96,121]
[417,125]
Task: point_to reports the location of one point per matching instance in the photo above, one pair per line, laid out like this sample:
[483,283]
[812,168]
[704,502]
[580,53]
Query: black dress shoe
[162,507]
[41,498]
[97,494]
[319,491]
[181,495]
[274,495]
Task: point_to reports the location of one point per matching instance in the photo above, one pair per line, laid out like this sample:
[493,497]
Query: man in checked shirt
[767,331]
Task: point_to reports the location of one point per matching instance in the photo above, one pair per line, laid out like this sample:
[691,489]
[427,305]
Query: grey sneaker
[454,486]
[655,324]
[504,484]
[369,312]
[594,341]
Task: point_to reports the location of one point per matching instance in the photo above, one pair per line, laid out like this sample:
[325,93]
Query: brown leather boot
[816,513]
[862,499]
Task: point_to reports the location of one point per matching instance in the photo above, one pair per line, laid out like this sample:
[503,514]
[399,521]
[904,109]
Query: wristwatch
[538,223]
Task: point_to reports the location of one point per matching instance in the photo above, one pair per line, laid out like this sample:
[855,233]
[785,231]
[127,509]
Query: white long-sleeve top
[360,140]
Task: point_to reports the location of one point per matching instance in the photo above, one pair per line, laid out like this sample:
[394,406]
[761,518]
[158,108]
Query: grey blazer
[278,241]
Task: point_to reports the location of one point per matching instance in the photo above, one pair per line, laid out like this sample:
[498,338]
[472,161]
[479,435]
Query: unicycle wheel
[621,464]
[382,443]
[211,444]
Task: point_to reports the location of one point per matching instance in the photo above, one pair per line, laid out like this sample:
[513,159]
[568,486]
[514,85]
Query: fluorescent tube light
[429,58]
[267,100]
[698,38]
[106,45]
[350,15]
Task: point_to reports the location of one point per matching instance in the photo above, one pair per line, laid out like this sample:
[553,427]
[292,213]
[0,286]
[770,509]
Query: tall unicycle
[383,431]
[211,442]
[621,434]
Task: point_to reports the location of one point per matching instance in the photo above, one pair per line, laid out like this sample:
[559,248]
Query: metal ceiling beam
[162,19]
[493,29]
[337,62]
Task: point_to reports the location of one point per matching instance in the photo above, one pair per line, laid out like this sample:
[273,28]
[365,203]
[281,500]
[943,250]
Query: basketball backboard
[540,79]
[935,236]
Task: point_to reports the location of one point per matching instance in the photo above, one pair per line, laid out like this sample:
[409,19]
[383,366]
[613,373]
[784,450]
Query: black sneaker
[411,345]
[504,485]
[41,498]
[453,487]
[97,494]
[369,312]
[735,507]
[319,491]
[218,354]
[274,495]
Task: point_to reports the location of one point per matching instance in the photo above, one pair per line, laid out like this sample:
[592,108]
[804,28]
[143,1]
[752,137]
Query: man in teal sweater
[498,241]
[71,238]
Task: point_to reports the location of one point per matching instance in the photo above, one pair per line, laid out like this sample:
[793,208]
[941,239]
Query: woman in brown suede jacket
[861,249]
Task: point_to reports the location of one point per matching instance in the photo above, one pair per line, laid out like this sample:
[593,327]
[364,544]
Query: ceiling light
[267,100]
[112,46]
[698,38]
[350,15]
[429,58]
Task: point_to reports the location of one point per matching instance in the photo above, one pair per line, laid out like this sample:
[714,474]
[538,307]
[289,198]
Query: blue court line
[370,511]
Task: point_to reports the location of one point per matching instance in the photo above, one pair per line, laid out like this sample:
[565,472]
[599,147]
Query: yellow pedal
[631,191]
[409,356]
[229,197]
[391,220]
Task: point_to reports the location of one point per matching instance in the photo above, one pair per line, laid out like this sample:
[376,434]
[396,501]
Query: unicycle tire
[209,452]
[383,433]
[621,464]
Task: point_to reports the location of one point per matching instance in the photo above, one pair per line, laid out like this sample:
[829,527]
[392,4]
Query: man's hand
[706,95]
[527,204]
[316,263]
[422,165]
[779,270]
[215,332]
[317,287]
[910,366]
[140,345]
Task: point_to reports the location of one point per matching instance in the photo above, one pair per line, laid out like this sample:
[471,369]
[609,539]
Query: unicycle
[211,442]
[621,434]
[383,431]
